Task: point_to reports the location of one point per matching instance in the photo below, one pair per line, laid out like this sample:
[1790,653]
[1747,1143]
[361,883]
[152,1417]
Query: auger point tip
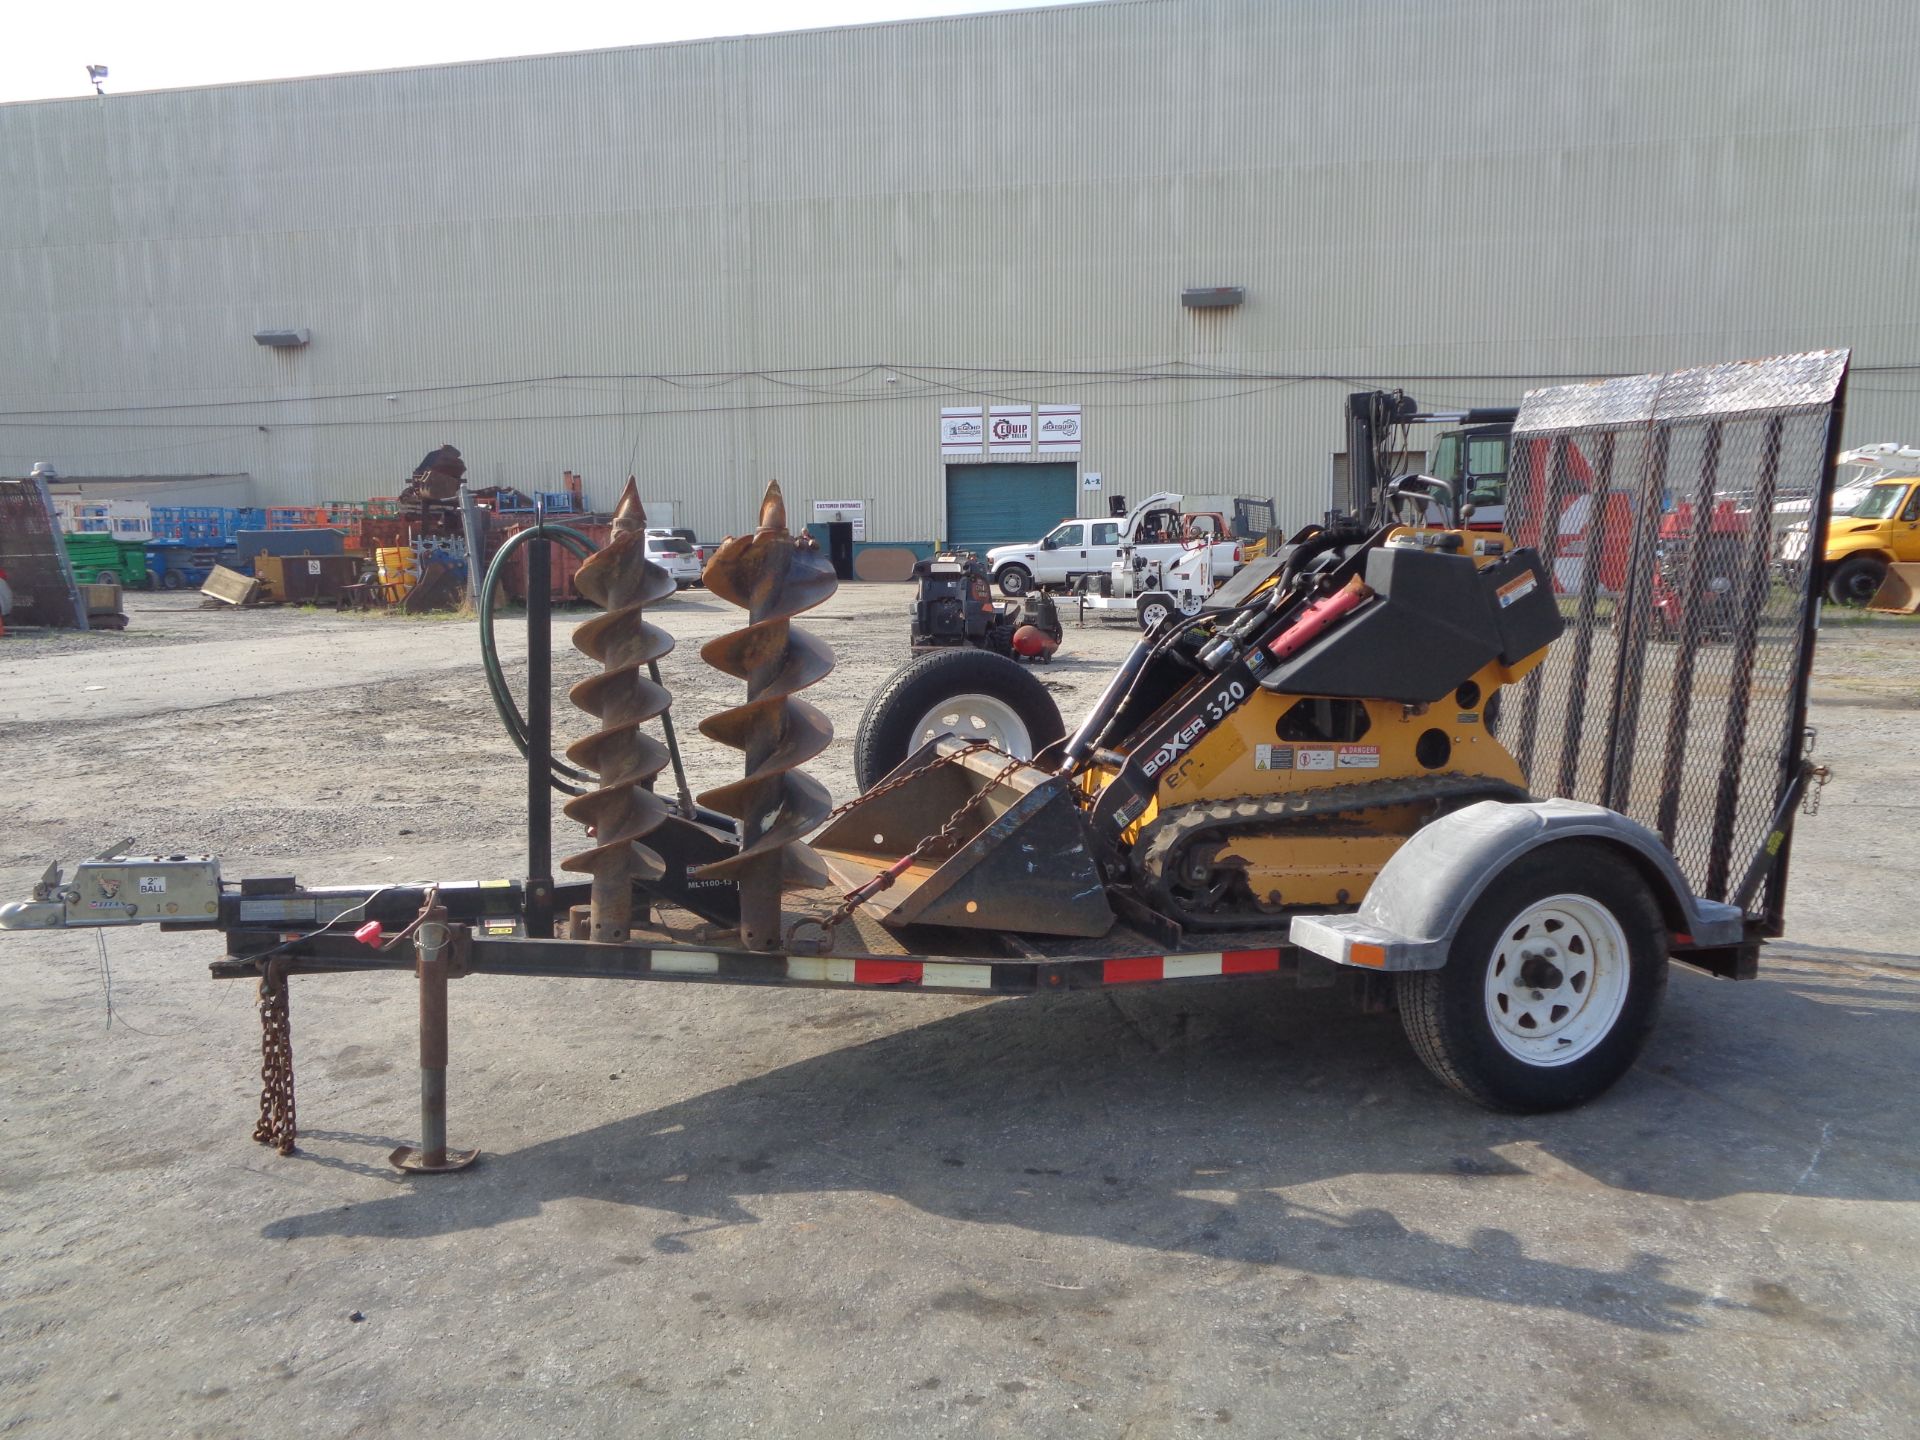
[629,516]
[773,508]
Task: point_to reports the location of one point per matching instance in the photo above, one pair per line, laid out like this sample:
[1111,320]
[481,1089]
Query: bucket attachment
[1021,857]
[1899,593]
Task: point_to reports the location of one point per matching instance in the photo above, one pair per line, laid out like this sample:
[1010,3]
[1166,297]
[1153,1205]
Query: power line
[968,382]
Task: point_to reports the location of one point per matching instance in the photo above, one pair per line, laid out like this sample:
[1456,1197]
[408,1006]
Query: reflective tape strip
[820,969]
[1249,962]
[1140,968]
[958,977]
[887,972]
[1176,966]
[1126,972]
[826,970]
[685,962]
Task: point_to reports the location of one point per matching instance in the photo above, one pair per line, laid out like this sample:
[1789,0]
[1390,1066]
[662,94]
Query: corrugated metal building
[711,263]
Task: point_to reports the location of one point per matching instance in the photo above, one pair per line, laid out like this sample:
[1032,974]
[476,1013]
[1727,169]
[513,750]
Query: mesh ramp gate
[1678,693]
[33,553]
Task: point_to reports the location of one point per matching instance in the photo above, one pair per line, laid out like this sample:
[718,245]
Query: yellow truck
[1882,530]
[1873,527]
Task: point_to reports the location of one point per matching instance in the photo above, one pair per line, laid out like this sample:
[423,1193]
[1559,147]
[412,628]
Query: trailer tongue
[1334,772]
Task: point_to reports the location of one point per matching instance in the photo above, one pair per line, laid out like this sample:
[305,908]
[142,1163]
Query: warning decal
[1515,588]
[1273,757]
[1359,757]
[1309,758]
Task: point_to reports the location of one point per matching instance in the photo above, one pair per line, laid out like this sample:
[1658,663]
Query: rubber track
[1163,841]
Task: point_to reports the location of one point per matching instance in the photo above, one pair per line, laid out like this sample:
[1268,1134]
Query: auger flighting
[622,808]
[773,575]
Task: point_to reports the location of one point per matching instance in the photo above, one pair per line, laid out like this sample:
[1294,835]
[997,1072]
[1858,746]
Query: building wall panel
[701,263]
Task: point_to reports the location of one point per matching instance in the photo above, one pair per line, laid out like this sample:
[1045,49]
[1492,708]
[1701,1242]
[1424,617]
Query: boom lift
[1304,781]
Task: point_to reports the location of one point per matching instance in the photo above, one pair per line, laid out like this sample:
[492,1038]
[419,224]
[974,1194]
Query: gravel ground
[1230,1209]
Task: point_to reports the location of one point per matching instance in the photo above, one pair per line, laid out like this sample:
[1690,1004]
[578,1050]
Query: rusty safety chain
[276,1124]
[861,894]
[1816,782]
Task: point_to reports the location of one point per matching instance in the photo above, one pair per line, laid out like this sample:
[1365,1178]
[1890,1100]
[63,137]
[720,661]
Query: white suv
[674,555]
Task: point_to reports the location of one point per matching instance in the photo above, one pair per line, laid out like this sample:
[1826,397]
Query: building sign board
[1010,430]
[832,512]
[1059,429]
[962,431]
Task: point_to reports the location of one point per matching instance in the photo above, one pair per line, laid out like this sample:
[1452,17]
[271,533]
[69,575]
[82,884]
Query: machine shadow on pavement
[1245,1123]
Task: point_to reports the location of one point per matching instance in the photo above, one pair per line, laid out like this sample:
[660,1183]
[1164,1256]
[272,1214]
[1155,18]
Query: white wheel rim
[1190,603]
[976,717]
[1152,615]
[1557,980]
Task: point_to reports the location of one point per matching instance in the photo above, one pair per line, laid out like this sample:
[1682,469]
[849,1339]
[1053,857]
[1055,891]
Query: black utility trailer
[1690,745]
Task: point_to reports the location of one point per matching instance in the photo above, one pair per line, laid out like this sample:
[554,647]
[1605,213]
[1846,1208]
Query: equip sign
[1010,430]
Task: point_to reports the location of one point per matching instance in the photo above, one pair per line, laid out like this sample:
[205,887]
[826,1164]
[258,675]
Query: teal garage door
[989,505]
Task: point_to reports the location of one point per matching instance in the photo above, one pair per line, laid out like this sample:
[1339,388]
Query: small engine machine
[955,606]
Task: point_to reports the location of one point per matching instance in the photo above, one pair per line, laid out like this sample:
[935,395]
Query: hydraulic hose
[561,774]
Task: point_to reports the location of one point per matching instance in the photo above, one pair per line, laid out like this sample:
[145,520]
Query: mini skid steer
[1426,759]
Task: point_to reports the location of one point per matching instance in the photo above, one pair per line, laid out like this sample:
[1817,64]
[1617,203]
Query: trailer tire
[1520,1030]
[1014,580]
[989,696]
[1855,579]
[1154,609]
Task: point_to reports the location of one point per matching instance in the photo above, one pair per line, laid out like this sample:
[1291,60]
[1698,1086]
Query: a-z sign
[1010,430]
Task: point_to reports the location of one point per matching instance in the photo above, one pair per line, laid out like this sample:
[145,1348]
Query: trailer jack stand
[432,939]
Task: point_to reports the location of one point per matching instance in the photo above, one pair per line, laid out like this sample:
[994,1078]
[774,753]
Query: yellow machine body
[1257,754]
[1281,801]
[1279,745]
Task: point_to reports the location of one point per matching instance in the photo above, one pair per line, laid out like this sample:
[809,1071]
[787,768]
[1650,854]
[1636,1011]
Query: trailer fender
[1422,895]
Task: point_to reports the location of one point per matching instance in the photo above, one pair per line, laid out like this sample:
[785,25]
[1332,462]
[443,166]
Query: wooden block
[101,599]
[883,563]
[230,587]
[1899,593]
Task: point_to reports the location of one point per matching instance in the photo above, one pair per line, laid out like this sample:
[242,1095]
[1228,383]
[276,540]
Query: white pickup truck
[1156,527]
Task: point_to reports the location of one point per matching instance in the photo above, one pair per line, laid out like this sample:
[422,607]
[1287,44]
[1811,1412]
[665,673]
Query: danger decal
[1516,588]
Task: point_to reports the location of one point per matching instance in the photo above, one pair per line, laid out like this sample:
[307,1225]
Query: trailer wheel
[974,694]
[1552,984]
[1855,579]
[1153,610]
